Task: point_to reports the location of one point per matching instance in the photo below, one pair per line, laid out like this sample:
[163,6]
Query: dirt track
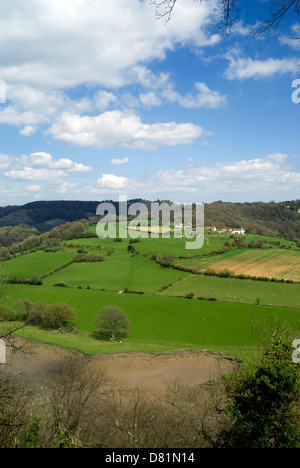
[129,370]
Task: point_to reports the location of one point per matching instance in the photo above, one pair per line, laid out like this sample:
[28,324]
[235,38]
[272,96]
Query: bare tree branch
[278,10]
[229,13]
[168,6]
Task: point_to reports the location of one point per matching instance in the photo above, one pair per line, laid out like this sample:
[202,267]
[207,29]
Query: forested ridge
[274,219]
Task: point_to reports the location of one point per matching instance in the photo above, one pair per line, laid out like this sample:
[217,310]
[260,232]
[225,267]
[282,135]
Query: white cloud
[150,99]
[41,166]
[117,128]
[5,161]
[119,35]
[29,173]
[65,188]
[114,43]
[245,180]
[119,162]
[292,40]
[104,99]
[111,181]
[203,97]
[34,188]
[244,68]
[29,130]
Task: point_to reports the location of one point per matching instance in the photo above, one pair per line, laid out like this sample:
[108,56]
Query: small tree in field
[112,322]
[58,315]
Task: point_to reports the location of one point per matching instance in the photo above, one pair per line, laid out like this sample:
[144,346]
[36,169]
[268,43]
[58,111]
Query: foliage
[60,284]
[54,316]
[58,315]
[88,258]
[112,322]
[6,315]
[263,399]
[31,436]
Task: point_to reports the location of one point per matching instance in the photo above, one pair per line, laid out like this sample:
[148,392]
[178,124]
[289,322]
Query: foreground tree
[264,400]
[112,322]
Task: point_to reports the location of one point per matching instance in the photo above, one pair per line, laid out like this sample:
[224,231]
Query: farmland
[268,263]
[158,323]
[171,302]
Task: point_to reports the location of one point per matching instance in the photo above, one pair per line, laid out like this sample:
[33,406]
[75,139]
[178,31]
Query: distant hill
[45,215]
[271,219]
[274,219]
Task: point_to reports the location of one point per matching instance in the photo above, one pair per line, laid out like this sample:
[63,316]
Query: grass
[159,323]
[37,263]
[238,290]
[160,320]
[118,272]
[158,246]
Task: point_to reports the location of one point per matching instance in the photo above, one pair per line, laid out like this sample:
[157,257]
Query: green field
[238,290]
[162,318]
[158,323]
[117,273]
[37,264]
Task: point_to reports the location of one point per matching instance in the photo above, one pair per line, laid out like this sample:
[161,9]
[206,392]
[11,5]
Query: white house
[238,231]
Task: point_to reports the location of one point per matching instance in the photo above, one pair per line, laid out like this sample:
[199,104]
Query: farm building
[238,231]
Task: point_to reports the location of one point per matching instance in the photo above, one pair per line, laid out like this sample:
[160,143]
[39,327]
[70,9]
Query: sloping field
[270,263]
[237,290]
[116,273]
[36,264]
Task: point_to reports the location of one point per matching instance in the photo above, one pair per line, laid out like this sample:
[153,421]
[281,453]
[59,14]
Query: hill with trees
[271,219]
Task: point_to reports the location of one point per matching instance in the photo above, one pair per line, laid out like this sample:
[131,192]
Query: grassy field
[37,264]
[238,290]
[158,323]
[162,321]
[118,272]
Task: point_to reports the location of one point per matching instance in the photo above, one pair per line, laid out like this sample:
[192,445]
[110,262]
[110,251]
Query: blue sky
[100,99]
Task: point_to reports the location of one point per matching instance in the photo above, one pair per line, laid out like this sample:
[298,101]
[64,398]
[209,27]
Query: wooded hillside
[274,219]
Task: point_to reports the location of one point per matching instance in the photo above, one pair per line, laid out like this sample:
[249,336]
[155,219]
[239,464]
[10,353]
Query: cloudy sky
[100,99]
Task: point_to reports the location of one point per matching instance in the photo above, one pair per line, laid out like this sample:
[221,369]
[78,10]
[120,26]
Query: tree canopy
[112,322]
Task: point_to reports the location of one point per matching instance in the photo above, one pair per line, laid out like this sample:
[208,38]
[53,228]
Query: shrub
[61,284]
[134,241]
[58,315]
[88,258]
[6,315]
[190,295]
[210,272]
